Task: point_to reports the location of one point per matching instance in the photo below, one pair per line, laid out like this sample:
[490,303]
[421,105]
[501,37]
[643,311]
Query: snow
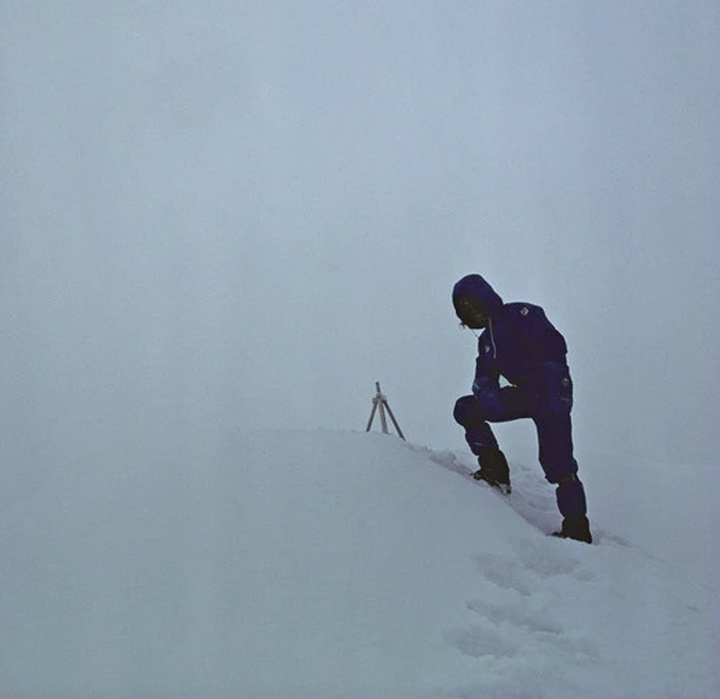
[297,564]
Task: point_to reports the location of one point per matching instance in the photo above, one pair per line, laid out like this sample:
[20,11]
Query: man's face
[472,313]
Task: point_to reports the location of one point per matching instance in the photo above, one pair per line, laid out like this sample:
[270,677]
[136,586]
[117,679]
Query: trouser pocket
[556,392]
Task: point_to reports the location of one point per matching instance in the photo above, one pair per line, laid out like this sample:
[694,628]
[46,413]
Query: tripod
[381,401]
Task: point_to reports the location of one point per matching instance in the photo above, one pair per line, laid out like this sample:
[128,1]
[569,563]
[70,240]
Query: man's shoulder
[521,309]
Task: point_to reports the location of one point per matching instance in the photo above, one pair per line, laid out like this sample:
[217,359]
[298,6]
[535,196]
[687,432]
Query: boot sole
[504,488]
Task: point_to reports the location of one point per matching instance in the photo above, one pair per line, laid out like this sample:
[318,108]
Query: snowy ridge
[293,564]
[532,498]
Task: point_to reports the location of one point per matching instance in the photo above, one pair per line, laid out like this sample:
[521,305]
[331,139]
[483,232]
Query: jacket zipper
[492,338]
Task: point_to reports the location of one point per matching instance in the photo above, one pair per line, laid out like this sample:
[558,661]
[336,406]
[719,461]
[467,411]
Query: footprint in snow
[518,615]
[481,641]
[529,561]
[506,629]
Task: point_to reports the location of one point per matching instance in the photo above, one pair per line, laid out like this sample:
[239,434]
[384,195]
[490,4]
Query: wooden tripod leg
[394,422]
[383,420]
[372,416]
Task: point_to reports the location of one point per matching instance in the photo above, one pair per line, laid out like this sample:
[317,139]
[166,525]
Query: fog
[228,214]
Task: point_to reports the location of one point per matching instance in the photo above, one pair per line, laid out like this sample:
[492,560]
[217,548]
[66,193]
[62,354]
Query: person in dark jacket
[520,344]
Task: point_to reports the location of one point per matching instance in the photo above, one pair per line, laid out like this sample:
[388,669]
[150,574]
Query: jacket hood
[475,286]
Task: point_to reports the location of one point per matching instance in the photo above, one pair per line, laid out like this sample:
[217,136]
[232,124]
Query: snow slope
[335,565]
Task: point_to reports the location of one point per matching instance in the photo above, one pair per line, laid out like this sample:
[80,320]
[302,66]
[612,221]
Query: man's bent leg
[478,433]
[481,440]
[498,405]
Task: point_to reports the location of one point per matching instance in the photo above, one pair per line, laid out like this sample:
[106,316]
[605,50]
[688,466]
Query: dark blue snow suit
[521,345]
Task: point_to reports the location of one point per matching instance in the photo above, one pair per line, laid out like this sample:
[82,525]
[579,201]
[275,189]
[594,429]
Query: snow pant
[548,405]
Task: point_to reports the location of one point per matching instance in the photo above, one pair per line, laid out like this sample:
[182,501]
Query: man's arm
[497,403]
[486,386]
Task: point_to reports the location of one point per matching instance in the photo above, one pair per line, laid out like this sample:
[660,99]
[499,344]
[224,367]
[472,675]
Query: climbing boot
[576,527]
[493,469]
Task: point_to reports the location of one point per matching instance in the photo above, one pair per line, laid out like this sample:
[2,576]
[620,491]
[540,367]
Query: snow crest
[292,564]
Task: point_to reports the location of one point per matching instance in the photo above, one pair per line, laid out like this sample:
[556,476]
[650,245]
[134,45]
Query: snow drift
[296,564]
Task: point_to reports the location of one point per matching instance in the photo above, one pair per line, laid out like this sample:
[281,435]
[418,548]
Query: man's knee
[466,411]
[560,471]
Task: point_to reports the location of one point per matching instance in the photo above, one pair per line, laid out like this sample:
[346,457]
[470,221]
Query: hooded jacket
[520,343]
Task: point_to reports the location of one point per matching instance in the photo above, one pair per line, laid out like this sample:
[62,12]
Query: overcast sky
[219,213]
